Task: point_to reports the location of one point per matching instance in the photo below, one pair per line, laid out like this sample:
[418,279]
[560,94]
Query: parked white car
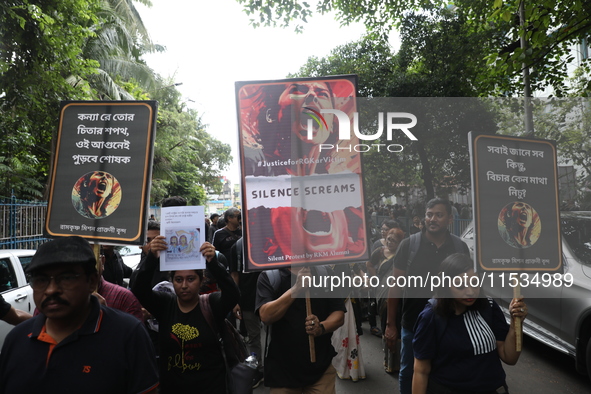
[131,255]
[13,283]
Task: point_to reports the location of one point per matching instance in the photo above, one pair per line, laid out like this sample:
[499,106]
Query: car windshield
[130,250]
[576,229]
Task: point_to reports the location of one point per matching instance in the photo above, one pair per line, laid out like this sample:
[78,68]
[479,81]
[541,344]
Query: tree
[550,28]
[120,40]
[51,51]
[187,160]
[372,60]
[40,43]
[566,121]
[432,62]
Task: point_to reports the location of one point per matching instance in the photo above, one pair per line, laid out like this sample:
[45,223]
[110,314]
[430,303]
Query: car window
[577,233]
[7,276]
[25,261]
[129,249]
[469,234]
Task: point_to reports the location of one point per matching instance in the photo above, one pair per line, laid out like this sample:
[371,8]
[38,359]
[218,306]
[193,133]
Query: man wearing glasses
[64,348]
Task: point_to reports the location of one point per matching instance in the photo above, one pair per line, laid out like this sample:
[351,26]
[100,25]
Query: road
[540,370]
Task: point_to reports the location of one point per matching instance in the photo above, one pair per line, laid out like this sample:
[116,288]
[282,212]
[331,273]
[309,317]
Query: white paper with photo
[184,229]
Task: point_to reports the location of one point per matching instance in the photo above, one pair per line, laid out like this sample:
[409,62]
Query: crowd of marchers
[91,334]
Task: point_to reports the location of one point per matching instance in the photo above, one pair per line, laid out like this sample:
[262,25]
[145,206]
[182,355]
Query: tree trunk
[427,174]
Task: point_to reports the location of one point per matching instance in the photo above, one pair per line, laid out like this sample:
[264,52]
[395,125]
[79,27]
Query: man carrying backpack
[287,363]
[418,256]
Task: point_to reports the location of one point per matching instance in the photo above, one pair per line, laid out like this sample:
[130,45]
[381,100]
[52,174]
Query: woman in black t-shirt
[461,339]
[190,357]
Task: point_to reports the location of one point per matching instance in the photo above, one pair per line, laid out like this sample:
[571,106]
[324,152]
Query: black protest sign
[516,205]
[102,169]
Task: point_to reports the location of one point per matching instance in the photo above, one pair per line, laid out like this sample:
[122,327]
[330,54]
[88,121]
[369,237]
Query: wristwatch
[322,328]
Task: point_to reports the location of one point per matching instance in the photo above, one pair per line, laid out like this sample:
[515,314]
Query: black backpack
[235,349]
[239,376]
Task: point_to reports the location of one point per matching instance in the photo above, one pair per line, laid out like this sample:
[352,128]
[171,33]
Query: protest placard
[184,229]
[301,178]
[102,169]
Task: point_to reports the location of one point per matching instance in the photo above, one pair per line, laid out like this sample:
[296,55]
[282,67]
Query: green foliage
[56,50]
[551,27]
[41,42]
[271,12]
[371,58]
[564,120]
[187,160]
[441,55]
[133,88]
[431,62]
[120,40]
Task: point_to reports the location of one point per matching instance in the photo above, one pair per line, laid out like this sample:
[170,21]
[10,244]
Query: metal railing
[21,223]
[457,227]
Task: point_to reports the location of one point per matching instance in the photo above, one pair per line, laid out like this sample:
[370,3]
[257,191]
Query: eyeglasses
[65,281]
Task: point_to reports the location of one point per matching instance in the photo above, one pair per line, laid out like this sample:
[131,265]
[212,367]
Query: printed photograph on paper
[183,228]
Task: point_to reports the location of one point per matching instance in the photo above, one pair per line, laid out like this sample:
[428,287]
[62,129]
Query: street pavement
[540,370]
[377,380]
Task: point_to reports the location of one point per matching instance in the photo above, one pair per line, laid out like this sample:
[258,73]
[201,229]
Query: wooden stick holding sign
[97,255]
[509,237]
[518,320]
[96,248]
[310,336]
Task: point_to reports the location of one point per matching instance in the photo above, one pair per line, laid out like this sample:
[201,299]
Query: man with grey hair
[75,345]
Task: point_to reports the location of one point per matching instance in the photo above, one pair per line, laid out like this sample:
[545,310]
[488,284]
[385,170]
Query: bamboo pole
[518,320]
[310,336]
